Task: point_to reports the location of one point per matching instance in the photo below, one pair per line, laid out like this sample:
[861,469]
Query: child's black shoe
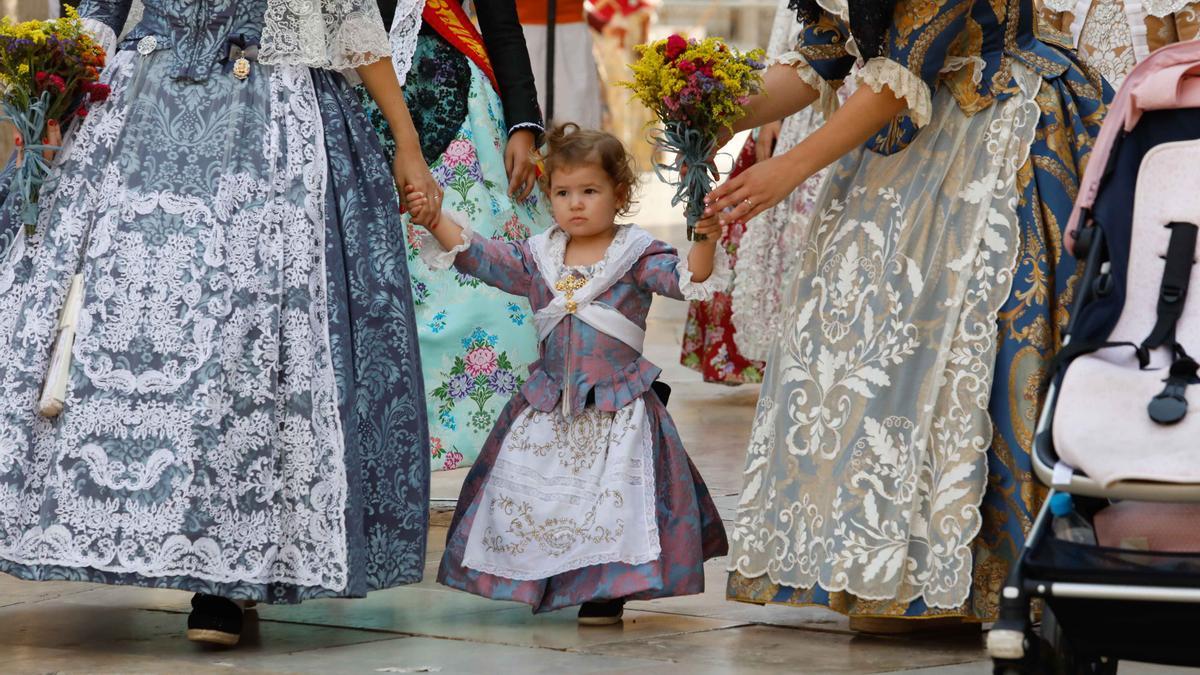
[605,613]
[214,620]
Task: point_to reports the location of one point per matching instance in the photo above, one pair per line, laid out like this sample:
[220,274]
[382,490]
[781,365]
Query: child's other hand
[420,208]
[710,227]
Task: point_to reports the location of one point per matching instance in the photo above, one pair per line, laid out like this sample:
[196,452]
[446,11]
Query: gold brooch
[568,285]
[241,68]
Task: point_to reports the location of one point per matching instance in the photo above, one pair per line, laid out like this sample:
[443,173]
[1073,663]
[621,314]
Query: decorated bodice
[198,33]
[967,46]
[580,364]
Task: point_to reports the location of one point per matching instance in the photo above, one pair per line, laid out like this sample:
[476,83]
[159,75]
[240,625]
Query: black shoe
[606,613]
[214,620]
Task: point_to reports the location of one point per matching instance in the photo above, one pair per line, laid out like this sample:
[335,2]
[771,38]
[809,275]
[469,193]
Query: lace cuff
[104,35]
[406,26]
[828,102]
[717,282]
[434,257]
[883,72]
[532,126]
[1061,5]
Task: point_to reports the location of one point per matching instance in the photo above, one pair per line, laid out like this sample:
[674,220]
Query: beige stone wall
[21,10]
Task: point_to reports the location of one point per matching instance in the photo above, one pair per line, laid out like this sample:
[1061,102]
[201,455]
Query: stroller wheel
[1058,657]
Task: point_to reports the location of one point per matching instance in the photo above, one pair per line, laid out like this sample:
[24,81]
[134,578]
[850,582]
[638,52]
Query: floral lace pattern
[1106,42]
[189,314]
[567,493]
[852,482]
[337,34]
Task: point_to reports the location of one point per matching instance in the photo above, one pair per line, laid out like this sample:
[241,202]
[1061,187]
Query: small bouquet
[49,74]
[697,88]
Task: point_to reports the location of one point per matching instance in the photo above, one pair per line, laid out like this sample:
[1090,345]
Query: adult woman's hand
[768,136]
[412,172]
[519,163]
[753,191]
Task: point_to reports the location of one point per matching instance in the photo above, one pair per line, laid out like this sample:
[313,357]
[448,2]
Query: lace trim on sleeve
[406,25]
[718,282]
[533,126]
[332,34]
[828,102]
[883,72]
[104,35]
[431,251]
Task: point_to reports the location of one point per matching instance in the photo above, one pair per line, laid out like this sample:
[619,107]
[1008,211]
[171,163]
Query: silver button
[147,45]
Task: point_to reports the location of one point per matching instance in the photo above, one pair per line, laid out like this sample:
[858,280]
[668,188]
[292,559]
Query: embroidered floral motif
[479,373]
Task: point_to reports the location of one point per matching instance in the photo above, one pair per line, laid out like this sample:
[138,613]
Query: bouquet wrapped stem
[693,152]
[697,89]
[32,163]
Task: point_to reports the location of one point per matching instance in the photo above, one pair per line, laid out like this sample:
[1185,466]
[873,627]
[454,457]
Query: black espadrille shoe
[607,613]
[214,620]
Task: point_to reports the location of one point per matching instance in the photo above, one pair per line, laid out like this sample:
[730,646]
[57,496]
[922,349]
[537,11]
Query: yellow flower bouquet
[696,88]
[49,75]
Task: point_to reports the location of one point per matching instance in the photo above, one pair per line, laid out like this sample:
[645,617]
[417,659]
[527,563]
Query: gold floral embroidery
[553,536]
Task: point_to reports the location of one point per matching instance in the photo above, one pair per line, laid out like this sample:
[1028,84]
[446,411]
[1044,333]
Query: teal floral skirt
[476,342]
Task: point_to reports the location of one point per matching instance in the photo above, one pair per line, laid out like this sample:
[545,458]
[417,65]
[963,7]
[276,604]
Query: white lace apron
[568,492]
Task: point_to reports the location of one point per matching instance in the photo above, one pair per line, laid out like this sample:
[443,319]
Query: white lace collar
[550,250]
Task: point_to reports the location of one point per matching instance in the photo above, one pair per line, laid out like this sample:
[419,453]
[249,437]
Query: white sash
[548,250]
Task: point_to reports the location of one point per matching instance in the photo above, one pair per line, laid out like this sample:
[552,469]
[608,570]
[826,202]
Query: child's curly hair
[569,145]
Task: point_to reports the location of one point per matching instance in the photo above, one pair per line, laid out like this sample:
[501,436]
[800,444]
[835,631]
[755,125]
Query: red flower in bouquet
[99,92]
[676,45]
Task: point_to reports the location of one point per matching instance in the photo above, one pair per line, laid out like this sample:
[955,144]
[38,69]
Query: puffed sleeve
[506,265]
[104,19]
[916,52]
[821,58]
[663,271]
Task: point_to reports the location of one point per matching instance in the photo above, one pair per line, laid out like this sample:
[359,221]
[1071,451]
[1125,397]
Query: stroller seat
[1101,424]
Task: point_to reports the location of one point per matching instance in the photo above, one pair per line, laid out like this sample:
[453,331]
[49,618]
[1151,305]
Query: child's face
[584,199]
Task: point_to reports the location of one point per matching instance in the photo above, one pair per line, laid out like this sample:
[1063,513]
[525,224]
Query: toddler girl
[583,493]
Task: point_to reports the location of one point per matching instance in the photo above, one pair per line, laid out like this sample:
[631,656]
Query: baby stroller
[1121,423]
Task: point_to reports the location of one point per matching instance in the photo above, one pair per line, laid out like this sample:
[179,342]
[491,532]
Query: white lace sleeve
[405,27]
[828,103]
[718,282]
[431,251]
[333,34]
[104,36]
[904,83]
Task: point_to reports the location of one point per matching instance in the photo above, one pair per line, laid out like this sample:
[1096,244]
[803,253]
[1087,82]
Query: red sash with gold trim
[448,18]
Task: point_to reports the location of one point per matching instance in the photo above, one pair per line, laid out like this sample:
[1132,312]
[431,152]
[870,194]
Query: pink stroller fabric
[1168,79]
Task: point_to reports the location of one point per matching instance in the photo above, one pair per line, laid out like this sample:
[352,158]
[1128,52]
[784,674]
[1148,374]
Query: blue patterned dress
[464,125]
[245,415]
[889,469]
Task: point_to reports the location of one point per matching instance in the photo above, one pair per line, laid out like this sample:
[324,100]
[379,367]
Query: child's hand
[710,227]
[420,208]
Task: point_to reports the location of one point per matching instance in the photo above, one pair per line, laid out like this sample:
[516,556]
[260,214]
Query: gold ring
[747,202]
